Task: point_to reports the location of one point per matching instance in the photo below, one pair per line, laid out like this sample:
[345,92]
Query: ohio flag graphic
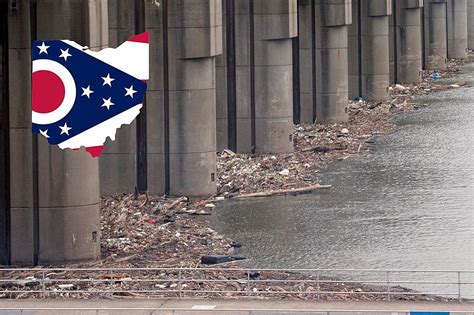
[81,97]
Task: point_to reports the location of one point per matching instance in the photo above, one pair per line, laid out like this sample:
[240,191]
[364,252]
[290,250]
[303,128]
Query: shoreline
[158,231]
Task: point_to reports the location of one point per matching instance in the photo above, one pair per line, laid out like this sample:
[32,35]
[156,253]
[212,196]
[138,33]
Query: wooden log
[294,191]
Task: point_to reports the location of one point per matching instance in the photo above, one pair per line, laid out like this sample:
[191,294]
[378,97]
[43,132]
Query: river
[408,204]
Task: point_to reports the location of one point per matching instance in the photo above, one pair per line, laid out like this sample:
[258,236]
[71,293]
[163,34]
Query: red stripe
[95,151]
[140,38]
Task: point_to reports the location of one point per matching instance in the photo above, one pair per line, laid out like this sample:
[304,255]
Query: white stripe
[129,57]
[98,134]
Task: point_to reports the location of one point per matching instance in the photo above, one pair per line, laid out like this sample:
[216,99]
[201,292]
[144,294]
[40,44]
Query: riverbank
[142,230]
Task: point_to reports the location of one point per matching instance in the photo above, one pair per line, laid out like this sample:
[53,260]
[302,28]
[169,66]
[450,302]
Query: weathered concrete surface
[332,59]
[374,48]
[230,307]
[435,34]
[154,101]
[470,24]
[68,180]
[195,33]
[405,42]
[306,38]
[117,164]
[275,26]
[457,28]
[20,133]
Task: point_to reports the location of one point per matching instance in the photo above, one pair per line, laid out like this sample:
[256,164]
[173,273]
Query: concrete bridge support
[68,181]
[435,34]
[195,34]
[457,28]
[21,151]
[369,45]
[307,67]
[332,59]
[405,42]
[267,58]
[470,24]
[155,106]
[275,26]
[117,163]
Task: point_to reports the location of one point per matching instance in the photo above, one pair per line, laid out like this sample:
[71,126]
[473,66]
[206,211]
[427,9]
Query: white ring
[69,92]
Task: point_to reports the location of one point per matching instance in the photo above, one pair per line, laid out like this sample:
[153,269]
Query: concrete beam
[117,164]
[195,39]
[68,180]
[435,35]
[332,59]
[457,29]
[373,81]
[405,42]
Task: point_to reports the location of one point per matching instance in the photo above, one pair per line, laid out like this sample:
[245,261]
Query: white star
[87,91]
[65,54]
[43,49]
[107,102]
[107,80]
[44,133]
[65,129]
[130,91]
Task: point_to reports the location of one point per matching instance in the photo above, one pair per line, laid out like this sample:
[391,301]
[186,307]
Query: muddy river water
[408,204]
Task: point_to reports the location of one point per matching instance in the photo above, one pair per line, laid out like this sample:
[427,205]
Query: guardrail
[236,282]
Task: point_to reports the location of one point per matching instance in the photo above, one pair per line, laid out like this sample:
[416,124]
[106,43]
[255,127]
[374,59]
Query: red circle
[48,91]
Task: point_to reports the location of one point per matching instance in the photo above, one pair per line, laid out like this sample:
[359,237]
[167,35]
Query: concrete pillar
[457,29]
[21,181]
[195,39]
[373,62]
[154,101]
[69,180]
[117,163]
[221,90]
[332,59]
[435,34]
[470,23]
[4,139]
[405,42]
[306,38]
[275,26]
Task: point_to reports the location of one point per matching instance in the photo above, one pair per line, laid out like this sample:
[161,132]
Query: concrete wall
[332,59]
[457,28]
[373,42]
[435,34]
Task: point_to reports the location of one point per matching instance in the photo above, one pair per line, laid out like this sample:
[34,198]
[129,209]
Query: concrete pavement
[239,307]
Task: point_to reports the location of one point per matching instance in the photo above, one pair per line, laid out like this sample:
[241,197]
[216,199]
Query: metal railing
[236,282]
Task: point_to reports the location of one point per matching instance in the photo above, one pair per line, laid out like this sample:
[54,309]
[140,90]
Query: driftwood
[294,191]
